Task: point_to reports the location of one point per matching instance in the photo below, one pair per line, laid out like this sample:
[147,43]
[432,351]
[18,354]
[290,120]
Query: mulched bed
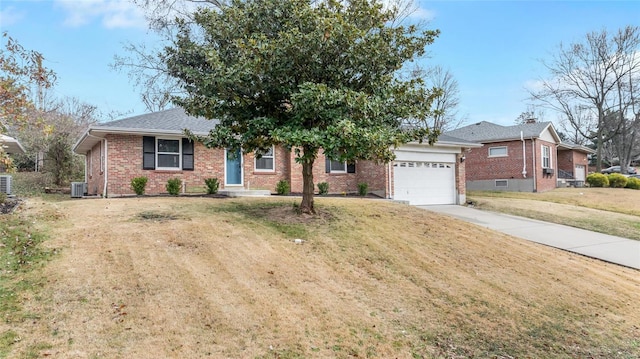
[9,205]
[338,195]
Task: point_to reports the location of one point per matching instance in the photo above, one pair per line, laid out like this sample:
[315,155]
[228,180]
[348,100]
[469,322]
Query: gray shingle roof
[446,138]
[172,120]
[490,132]
[175,121]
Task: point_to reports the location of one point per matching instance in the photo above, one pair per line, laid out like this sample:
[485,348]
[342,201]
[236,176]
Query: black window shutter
[327,165]
[187,154]
[351,167]
[148,153]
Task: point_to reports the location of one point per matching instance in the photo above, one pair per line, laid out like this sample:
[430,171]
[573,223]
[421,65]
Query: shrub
[617,180]
[212,185]
[138,185]
[283,188]
[30,183]
[598,180]
[173,186]
[633,183]
[363,189]
[323,188]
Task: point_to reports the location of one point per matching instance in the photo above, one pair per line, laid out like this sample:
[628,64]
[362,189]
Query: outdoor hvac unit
[78,189]
[547,171]
[5,184]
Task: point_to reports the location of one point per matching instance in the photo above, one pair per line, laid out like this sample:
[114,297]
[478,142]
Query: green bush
[323,188]
[283,188]
[26,184]
[617,180]
[138,185]
[212,185]
[633,183]
[598,180]
[363,189]
[173,186]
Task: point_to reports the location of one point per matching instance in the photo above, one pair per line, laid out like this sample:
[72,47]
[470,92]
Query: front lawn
[614,211]
[225,278]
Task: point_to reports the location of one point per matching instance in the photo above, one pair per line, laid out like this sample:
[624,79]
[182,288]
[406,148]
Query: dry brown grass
[197,277]
[612,211]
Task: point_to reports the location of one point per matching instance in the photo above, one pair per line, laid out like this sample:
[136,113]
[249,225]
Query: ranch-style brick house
[153,145]
[528,157]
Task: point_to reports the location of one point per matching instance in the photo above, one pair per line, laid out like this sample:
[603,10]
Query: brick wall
[484,169]
[461,176]
[267,180]
[568,159]
[125,162]
[95,173]
[375,175]
[366,171]
[546,182]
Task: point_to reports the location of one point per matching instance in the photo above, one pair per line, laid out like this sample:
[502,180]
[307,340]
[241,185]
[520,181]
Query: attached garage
[425,182]
[426,175]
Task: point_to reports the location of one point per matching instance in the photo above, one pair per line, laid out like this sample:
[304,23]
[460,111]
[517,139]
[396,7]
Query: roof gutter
[143,131]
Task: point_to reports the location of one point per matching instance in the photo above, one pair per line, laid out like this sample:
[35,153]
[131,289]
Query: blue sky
[491,47]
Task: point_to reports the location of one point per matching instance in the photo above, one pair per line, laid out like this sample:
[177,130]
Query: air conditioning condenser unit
[78,189]
[5,184]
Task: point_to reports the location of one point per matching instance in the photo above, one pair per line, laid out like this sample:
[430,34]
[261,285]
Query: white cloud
[423,14]
[534,85]
[410,9]
[112,13]
[10,16]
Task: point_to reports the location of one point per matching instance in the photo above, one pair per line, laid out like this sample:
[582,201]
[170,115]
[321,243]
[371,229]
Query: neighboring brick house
[153,145]
[524,158]
[573,164]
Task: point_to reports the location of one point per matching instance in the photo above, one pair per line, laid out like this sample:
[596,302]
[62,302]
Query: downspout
[524,156]
[535,175]
[106,167]
[389,176]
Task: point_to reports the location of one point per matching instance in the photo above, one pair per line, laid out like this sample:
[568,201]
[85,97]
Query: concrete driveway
[608,248]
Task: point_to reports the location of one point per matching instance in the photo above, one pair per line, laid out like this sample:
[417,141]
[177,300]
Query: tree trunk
[307,187]
[599,141]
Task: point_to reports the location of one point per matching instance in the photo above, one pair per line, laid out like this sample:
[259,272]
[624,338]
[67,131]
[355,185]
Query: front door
[233,168]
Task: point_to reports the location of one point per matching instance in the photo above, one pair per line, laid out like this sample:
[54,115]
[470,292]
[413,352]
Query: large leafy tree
[23,79]
[307,75]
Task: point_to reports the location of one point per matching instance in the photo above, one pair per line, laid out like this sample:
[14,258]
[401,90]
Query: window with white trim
[500,151]
[546,157]
[337,167]
[168,154]
[266,163]
[333,166]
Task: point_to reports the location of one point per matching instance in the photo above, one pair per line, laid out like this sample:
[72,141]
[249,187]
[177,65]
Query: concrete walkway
[608,248]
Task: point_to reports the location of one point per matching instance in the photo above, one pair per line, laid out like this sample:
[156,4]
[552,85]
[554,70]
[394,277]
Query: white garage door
[423,182]
[580,173]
